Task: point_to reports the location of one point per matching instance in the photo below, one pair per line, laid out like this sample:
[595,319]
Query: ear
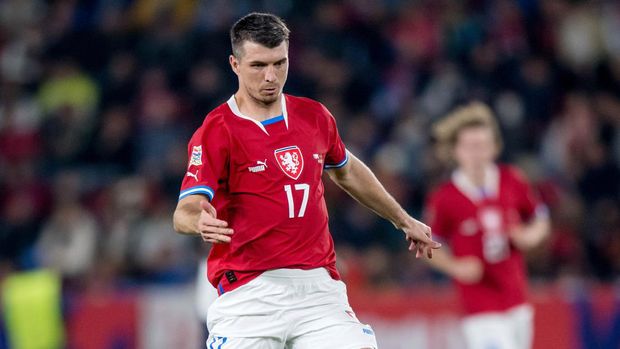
[234,63]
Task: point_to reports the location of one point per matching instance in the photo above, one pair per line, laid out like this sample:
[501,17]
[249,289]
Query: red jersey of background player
[264,179]
[475,222]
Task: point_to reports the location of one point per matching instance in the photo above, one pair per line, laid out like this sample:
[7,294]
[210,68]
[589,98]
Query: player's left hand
[521,238]
[420,237]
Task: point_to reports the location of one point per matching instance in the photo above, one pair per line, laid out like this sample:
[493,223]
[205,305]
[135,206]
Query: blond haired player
[488,215]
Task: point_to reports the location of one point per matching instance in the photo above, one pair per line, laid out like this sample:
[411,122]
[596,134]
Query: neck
[256,109]
[477,176]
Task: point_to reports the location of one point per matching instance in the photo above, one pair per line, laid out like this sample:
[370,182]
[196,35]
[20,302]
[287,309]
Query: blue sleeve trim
[201,189]
[339,165]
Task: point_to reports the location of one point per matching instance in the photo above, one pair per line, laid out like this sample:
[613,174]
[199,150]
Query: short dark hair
[262,28]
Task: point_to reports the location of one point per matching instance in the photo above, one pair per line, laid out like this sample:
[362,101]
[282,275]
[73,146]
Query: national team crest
[196,158]
[290,160]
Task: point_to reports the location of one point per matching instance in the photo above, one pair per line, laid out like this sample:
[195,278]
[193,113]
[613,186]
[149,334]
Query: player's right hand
[420,237]
[210,228]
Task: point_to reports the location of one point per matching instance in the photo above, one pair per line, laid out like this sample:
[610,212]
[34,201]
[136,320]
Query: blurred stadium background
[98,99]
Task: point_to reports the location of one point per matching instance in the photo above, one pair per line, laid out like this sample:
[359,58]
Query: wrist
[402,220]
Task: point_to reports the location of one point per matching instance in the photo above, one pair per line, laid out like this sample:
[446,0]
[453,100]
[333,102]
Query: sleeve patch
[196,158]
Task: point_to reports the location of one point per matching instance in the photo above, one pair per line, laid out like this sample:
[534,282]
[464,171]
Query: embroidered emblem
[196,158]
[318,158]
[290,160]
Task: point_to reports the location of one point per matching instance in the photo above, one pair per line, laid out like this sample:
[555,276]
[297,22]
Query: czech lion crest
[290,160]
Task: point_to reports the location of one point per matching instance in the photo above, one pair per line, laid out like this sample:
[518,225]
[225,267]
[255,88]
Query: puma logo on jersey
[193,175]
[260,166]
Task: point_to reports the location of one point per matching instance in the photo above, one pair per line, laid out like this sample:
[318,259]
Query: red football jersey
[475,221]
[264,179]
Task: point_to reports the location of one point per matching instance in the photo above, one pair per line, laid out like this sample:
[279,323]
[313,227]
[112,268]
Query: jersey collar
[490,188]
[232,104]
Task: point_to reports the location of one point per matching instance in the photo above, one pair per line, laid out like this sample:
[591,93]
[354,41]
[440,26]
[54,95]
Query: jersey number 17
[291,204]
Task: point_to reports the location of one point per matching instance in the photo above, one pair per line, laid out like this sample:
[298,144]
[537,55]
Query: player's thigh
[351,335]
[522,319]
[488,331]
[326,320]
[221,342]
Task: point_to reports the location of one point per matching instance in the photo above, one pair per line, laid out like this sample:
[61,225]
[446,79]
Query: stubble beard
[266,100]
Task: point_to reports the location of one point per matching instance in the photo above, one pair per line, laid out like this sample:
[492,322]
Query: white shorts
[287,309]
[512,329]
[206,294]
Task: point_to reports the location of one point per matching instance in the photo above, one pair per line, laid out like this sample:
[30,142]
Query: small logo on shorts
[351,315]
[368,331]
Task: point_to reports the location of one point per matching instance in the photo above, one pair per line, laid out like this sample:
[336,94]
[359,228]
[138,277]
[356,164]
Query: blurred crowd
[98,99]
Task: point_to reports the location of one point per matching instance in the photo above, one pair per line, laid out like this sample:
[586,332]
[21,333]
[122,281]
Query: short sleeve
[336,155]
[529,204]
[208,151]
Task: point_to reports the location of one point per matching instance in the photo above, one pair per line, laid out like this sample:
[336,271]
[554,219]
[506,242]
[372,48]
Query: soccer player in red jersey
[487,215]
[253,188]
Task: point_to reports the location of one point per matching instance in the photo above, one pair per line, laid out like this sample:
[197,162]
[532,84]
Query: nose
[270,74]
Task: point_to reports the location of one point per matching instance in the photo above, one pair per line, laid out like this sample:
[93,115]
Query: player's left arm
[537,228]
[530,235]
[360,183]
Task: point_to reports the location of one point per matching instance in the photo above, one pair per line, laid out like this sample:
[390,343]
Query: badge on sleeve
[196,158]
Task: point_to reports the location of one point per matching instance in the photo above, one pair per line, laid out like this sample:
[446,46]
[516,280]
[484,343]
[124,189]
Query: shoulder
[512,173]
[443,193]
[307,104]
[304,102]
[214,123]
[217,116]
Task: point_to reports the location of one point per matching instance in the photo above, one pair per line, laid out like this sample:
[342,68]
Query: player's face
[262,71]
[475,148]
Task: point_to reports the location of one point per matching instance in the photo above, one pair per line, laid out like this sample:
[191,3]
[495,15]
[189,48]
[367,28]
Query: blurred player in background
[487,215]
[253,188]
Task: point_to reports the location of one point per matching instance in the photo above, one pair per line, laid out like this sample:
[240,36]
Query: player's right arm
[206,167]
[195,215]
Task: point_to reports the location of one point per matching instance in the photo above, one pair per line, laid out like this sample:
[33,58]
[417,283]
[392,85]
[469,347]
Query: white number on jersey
[291,204]
[495,246]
